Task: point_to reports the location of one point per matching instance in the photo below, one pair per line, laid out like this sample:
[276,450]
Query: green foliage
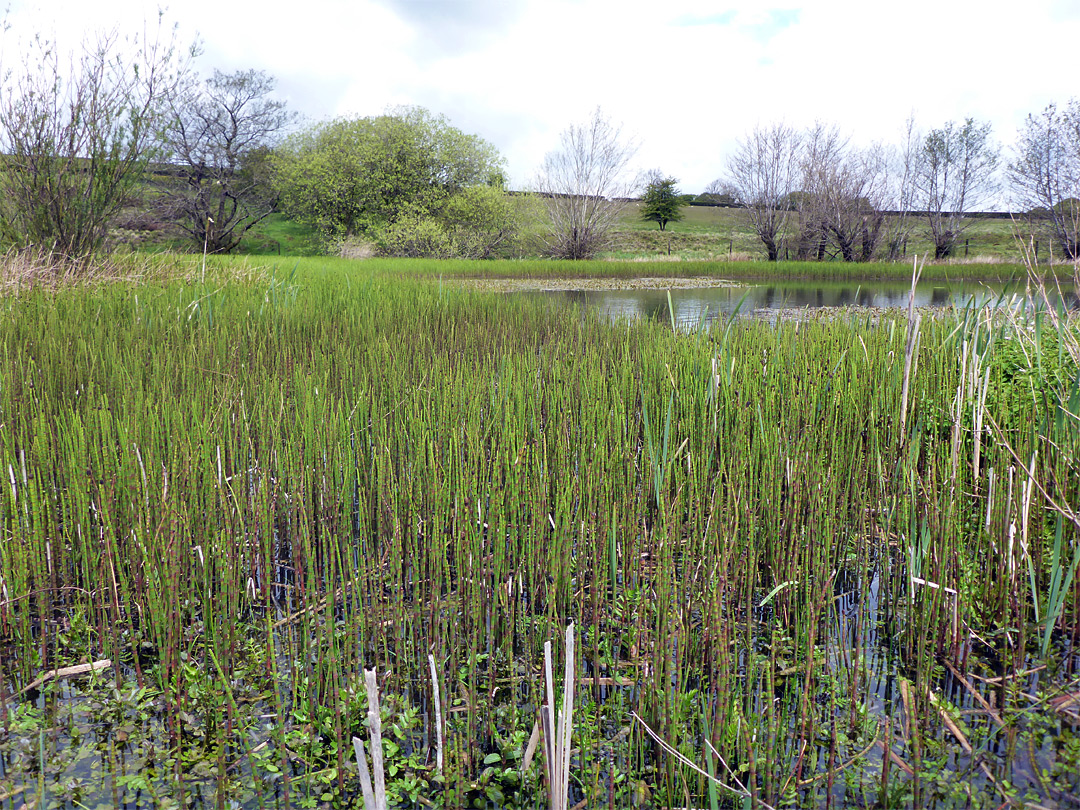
[662,201]
[1030,375]
[479,222]
[193,453]
[708,198]
[355,177]
[796,200]
[277,235]
[415,235]
[487,223]
[1069,208]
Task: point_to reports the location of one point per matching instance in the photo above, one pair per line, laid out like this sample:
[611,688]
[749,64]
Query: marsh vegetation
[828,561]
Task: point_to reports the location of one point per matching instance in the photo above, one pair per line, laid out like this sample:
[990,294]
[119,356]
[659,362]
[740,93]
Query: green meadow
[829,561]
[705,235]
[712,233]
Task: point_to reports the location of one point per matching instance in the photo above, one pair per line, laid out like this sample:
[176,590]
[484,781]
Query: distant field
[707,233]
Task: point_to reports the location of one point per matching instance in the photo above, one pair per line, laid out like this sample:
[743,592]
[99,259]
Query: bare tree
[584,187]
[720,192]
[764,170]
[840,199]
[1045,176]
[822,185]
[215,136]
[873,199]
[850,202]
[954,175]
[75,136]
[900,192]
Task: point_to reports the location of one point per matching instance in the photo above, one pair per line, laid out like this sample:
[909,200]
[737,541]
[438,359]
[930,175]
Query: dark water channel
[773,298]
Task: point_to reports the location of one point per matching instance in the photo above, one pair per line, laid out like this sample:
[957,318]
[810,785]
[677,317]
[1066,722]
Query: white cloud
[686,77]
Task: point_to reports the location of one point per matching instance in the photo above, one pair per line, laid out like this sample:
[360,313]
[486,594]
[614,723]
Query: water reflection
[693,306]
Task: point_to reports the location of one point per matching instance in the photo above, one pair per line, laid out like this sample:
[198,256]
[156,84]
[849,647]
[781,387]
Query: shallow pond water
[694,305]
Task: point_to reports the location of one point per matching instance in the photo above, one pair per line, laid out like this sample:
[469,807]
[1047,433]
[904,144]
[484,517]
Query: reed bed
[630,269]
[779,567]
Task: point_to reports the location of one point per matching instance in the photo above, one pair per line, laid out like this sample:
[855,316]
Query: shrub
[415,235]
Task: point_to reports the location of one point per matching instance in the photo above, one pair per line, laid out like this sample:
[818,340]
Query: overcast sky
[686,78]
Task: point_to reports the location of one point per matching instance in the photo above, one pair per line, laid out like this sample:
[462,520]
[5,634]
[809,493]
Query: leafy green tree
[488,223]
[415,234]
[662,201]
[479,222]
[76,136]
[357,177]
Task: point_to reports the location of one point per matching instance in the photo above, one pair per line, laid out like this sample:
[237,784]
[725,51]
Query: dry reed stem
[740,791]
[67,672]
[365,775]
[558,730]
[374,794]
[975,694]
[530,749]
[964,744]
[948,721]
[27,269]
[895,759]
[11,794]
[375,723]
[911,347]
[566,717]
[21,271]
[438,713]
[1062,509]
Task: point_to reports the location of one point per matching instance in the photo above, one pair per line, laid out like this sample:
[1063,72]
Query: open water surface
[774,298]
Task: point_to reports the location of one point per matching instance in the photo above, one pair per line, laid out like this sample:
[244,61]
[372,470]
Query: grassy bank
[706,234]
[424,269]
[849,573]
[23,272]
